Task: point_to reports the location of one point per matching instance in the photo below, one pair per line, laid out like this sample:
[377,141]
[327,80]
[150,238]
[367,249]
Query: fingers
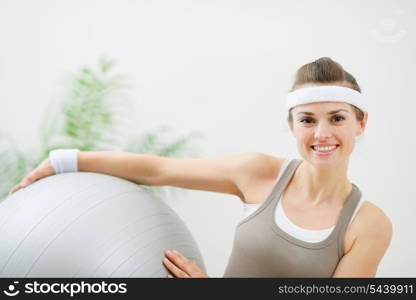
[15,189]
[24,183]
[190,268]
[43,170]
[174,269]
[28,179]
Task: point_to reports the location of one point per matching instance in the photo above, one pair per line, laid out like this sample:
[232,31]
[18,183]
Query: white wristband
[64,160]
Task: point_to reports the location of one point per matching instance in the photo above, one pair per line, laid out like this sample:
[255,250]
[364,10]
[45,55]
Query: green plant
[88,118]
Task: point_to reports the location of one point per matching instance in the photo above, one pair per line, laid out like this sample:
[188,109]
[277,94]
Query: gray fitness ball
[89,225]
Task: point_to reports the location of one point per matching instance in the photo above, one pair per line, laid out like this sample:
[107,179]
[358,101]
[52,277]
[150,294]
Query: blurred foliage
[90,116]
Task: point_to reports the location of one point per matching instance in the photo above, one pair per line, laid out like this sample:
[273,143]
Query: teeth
[324,149]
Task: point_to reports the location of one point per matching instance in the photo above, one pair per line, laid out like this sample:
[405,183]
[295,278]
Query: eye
[308,120]
[338,118]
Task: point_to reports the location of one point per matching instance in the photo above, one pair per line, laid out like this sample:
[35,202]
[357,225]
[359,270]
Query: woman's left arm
[368,249]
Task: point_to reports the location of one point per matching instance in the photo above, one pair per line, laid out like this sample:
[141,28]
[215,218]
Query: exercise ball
[85,224]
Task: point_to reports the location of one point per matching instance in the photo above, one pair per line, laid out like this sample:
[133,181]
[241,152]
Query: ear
[362,124]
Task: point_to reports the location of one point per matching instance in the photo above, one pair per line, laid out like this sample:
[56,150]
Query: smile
[326,150]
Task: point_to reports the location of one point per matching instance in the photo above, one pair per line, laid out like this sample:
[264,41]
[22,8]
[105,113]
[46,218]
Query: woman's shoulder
[373,222]
[258,174]
[262,164]
[266,156]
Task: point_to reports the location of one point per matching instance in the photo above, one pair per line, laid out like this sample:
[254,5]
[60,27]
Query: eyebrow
[329,113]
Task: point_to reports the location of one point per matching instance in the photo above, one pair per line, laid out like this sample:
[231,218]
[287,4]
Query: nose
[322,132]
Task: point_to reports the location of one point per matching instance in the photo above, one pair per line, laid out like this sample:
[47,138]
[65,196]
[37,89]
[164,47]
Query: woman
[307,219]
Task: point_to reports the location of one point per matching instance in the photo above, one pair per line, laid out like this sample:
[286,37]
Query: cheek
[347,135]
[348,140]
[351,141]
[300,136]
[304,138]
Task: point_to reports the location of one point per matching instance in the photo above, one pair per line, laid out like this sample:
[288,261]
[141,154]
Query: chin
[323,163]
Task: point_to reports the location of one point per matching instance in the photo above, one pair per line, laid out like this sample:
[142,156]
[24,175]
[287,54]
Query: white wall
[223,68]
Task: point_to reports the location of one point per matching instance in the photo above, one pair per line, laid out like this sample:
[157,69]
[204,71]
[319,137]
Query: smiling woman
[314,221]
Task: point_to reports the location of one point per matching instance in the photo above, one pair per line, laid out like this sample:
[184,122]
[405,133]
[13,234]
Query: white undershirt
[292,229]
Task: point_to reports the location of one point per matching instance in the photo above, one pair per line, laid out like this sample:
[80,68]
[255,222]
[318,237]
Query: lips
[325,145]
[324,149]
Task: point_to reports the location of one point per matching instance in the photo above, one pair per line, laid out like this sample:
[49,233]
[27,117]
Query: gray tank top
[262,249]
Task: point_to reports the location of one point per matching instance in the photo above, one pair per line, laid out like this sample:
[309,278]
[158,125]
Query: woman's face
[325,132]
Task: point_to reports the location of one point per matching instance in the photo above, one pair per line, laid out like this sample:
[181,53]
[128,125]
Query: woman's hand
[181,267]
[44,169]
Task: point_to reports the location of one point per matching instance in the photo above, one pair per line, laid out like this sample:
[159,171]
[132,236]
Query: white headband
[326,93]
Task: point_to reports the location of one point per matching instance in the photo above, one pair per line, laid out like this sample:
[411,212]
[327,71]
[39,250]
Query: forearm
[140,168]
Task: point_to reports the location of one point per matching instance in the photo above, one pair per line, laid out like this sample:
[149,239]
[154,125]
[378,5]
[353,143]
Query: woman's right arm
[139,168]
[231,174]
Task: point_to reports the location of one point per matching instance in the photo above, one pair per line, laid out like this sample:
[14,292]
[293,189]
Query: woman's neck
[329,186]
